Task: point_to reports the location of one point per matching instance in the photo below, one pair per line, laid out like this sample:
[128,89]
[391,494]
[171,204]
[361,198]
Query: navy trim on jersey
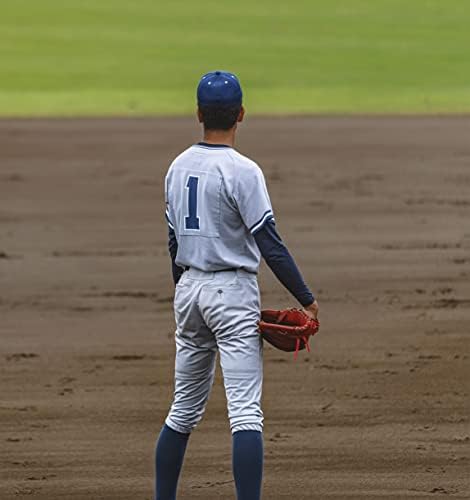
[207,145]
[167,217]
[257,225]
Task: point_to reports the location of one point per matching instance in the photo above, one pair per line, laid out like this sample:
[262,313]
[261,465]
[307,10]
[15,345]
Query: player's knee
[183,421]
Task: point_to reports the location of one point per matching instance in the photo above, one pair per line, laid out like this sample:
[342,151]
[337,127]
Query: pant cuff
[176,427]
[247,427]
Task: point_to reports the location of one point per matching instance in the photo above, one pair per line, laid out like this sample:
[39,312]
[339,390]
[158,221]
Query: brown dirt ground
[376,211]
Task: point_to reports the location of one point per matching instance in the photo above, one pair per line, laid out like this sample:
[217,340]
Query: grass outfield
[95,57]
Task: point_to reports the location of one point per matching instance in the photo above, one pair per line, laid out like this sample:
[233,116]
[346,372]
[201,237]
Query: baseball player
[220,223]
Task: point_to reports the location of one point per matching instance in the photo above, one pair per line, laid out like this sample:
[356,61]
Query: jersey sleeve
[252,199]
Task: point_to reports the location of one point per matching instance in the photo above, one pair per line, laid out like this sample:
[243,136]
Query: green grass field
[119,57]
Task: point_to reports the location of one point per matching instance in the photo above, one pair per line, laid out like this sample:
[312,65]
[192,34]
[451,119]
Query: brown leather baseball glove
[288,330]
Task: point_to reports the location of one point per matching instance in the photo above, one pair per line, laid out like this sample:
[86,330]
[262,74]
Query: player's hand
[312,310]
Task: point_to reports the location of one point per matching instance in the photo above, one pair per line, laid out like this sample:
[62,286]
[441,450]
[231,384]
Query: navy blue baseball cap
[219,87]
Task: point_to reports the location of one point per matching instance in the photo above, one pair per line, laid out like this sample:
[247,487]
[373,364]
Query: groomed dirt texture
[377,214]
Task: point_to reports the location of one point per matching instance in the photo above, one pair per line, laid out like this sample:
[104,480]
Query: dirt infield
[376,211]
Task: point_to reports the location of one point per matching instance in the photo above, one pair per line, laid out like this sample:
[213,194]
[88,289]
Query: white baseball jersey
[216,199]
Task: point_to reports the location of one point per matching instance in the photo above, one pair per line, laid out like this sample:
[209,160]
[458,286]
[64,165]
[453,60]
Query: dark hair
[216,117]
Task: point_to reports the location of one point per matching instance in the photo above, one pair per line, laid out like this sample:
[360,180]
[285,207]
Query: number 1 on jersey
[192,220]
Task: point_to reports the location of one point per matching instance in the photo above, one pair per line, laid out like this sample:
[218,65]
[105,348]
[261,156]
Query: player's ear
[199,115]
[241,115]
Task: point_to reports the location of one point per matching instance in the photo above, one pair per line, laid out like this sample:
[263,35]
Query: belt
[187,268]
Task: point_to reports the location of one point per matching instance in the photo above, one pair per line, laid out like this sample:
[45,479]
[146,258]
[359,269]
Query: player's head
[219,100]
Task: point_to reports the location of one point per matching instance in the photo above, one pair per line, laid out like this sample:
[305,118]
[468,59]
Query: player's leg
[247,462]
[232,310]
[243,388]
[194,375]
[169,456]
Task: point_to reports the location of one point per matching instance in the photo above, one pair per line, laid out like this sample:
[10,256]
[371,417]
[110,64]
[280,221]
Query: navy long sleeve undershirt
[281,263]
[176,270]
[274,252]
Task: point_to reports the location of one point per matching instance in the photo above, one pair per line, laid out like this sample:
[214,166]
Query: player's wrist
[307,300]
[312,309]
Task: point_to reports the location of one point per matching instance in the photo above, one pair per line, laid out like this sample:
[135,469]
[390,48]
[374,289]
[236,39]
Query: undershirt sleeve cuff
[176,270]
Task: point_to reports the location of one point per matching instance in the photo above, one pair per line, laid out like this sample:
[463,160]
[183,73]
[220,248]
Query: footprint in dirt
[333,367]
[40,478]
[420,246]
[387,372]
[23,463]
[280,436]
[210,484]
[462,440]
[128,357]
[451,303]
[38,426]
[429,356]
[26,408]
[444,290]
[461,260]
[95,369]
[67,380]
[65,391]
[17,356]
[165,300]
[278,360]
[442,491]
[26,491]
[129,294]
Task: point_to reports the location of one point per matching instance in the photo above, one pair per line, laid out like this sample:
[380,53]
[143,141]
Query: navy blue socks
[171,446]
[247,461]
[248,464]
